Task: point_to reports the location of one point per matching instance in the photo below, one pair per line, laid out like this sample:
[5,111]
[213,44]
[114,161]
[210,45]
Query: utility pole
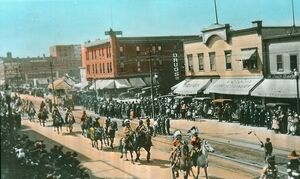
[216,12]
[293,14]
[151,78]
[51,68]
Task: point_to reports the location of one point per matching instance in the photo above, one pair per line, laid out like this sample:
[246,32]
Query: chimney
[258,25]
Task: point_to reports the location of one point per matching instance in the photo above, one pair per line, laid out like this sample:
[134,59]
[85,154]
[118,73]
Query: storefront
[191,86]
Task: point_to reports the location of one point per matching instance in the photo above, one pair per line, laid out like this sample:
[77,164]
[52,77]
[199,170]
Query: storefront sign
[176,66]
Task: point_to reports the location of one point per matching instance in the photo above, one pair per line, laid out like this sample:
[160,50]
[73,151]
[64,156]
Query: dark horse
[127,144]
[43,116]
[182,161]
[111,133]
[143,140]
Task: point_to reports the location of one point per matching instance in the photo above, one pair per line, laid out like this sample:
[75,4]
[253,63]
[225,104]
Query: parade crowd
[24,158]
[281,119]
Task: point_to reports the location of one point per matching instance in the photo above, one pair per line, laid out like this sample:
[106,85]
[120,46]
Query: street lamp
[296,75]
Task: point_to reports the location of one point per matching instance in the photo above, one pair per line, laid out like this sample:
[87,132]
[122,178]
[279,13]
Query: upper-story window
[279,63]
[87,55]
[228,60]
[110,67]
[249,57]
[138,50]
[212,61]
[201,61]
[138,64]
[121,51]
[103,68]
[100,68]
[88,69]
[190,61]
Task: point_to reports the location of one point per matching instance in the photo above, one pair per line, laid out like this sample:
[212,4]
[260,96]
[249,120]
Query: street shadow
[75,134]
[155,162]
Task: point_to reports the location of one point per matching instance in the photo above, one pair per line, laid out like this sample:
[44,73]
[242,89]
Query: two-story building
[223,61]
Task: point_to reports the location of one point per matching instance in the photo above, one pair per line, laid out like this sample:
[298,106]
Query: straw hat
[293,155]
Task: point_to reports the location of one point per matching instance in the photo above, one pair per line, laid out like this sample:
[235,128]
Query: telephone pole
[51,68]
[151,78]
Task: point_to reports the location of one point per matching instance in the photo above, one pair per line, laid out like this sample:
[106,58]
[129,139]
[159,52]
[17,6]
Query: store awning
[234,86]
[137,82]
[276,88]
[105,84]
[122,83]
[147,80]
[192,86]
[178,84]
[60,84]
[247,54]
[81,85]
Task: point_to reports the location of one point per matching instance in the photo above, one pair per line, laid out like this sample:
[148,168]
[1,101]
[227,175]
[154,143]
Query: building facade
[133,58]
[227,63]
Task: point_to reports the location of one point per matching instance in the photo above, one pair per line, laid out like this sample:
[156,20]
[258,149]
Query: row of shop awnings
[121,83]
[275,88]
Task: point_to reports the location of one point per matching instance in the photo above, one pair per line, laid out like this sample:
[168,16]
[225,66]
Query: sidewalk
[237,134]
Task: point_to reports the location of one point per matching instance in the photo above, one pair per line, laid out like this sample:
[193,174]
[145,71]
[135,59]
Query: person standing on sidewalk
[268,147]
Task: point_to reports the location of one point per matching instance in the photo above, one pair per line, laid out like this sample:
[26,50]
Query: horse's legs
[198,171]
[101,144]
[205,170]
[131,155]
[148,155]
[111,143]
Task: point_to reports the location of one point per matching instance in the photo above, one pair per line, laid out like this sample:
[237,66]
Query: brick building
[126,61]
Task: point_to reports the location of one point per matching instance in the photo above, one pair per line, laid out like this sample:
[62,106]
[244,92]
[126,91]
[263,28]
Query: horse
[99,134]
[182,161]
[43,116]
[31,113]
[143,140]
[202,157]
[57,121]
[111,134]
[127,144]
[70,121]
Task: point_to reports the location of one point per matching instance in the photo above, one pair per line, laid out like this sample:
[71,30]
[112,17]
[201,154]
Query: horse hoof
[121,156]
[126,159]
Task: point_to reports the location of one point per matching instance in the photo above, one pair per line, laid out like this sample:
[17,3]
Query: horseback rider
[270,168]
[196,149]
[176,144]
[141,131]
[127,131]
[293,166]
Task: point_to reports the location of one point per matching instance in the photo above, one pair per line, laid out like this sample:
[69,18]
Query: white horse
[202,157]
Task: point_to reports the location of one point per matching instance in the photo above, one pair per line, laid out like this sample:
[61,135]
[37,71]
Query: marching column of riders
[22,157]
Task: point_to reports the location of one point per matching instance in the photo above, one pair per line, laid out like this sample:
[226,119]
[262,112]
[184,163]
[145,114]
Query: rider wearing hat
[126,130]
[196,143]
[293,165]
[176,144]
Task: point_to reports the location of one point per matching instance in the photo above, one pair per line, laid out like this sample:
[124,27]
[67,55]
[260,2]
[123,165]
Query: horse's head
[184,148]
[207,146]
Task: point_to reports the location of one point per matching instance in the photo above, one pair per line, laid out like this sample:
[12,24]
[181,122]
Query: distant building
[128,60]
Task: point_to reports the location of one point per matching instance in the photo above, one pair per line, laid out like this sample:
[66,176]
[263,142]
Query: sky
[30,27]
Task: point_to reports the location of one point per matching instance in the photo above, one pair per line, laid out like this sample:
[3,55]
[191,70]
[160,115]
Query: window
[228,60]
[93,68]
[88,69]
[122,66]
[121,52]
[200,61]
[138,66]
[106,52]
[103,68]
[87,55]
[212,61]
[190,62]
[102,51]
[110,67]
[137,49]
[96,68]
[107,67]
[251,62]
[99,52]
[293,62]
[279,62]
[100,68]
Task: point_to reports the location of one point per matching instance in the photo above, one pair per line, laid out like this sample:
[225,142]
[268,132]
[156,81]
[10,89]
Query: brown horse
[182,161]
